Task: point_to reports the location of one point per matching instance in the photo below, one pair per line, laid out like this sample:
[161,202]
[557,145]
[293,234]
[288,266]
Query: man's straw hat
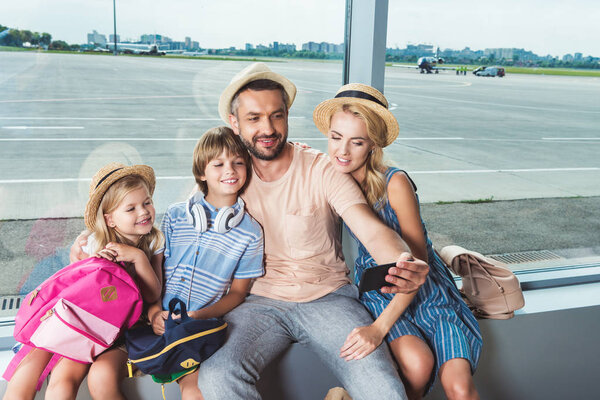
[251,73]
[357,93]
[104,178]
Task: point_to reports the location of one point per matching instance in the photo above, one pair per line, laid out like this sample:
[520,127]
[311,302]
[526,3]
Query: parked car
[490,71]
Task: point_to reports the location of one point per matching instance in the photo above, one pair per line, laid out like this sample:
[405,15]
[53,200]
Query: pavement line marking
[487,171]
[218,119]
[42,127]
[198,119]
[93,139]
[405,138]
[484,103]
[79,118]
[570,138]
[104,98]
[185,177]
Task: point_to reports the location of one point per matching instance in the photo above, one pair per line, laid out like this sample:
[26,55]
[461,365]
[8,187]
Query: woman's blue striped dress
[437,314]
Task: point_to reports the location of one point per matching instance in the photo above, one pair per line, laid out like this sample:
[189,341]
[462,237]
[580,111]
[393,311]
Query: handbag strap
[169,323]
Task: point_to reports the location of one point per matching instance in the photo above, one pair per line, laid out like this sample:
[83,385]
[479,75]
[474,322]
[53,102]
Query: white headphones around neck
[226,218]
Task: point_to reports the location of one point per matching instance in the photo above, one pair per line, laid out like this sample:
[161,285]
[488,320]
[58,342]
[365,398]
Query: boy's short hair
[211,145]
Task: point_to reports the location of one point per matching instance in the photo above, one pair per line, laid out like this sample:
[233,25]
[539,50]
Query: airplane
[136,48]
[428,64]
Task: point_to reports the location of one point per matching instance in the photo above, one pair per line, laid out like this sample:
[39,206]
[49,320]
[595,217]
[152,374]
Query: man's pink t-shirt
[299,214]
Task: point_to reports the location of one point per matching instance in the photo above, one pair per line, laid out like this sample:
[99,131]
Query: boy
[212,247]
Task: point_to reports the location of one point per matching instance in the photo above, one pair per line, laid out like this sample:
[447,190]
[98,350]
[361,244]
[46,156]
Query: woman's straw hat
[251,73]
[104,178]
[357,93]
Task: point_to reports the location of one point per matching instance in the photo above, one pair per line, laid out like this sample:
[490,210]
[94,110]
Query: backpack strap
[20,355]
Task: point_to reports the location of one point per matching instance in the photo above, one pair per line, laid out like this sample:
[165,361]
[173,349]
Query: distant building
[578,56]
[188,42]
[96,38]
[195,45]
[568,58]
[151,39]
[249,46]
[111,38]
[323,47]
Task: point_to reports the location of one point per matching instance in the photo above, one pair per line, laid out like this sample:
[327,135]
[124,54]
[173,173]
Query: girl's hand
[158,322]
[361,342]
[118,252]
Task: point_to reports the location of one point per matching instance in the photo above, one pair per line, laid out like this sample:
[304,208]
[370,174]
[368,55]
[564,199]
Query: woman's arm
[363,340]
[236,295]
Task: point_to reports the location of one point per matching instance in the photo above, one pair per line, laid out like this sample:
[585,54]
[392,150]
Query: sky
[555,27]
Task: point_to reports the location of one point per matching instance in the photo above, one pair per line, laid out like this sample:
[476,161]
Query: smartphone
[374,278]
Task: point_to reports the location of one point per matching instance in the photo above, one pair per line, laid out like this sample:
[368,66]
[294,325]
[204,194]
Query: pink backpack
[78,312]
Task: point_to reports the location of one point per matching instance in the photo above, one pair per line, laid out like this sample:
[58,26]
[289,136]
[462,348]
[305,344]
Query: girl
[120,216]
[431,332]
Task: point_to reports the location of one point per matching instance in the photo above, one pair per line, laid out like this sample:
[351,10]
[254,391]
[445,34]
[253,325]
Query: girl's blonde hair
[115,194]
[374,185]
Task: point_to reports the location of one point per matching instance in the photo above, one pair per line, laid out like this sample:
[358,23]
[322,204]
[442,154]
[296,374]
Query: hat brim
[231,90]
[91,208]
[323,112]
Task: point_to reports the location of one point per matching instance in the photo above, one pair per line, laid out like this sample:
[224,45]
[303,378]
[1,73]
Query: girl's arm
[236,295]
[363,340]
[147,274]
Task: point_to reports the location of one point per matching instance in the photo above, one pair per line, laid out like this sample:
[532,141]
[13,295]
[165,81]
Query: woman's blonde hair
[211,145]
[115,194]
[374,185]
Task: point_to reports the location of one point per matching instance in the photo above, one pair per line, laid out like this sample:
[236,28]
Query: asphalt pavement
[522,149]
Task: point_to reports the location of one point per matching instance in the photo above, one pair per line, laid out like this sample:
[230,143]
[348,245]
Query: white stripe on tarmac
[103,98]
[487,171]
[186,177]
[293,139]
[79,118]
[119,139]
[198,119]
[570,138]
[42,127]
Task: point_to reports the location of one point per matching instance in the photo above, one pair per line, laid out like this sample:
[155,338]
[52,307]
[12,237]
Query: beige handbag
[491,289]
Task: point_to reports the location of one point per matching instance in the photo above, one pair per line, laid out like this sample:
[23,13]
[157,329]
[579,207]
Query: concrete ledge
[535,355]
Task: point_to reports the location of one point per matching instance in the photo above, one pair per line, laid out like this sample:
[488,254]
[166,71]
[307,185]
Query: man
[305,295]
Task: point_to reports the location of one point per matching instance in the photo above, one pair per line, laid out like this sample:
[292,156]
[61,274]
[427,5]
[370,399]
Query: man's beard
[252,149]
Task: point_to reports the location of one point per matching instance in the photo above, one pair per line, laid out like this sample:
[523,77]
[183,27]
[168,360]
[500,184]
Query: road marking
[485,103]
[105,98]
[95,139]
[198,119]
[570,138]
[42,127]
[186,177]
[79,118]
[293,139]
[406,138]
[487,171]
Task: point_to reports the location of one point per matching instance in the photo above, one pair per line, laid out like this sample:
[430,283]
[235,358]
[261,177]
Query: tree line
[17,38]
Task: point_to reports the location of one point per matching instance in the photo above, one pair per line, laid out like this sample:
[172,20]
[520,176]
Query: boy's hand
[158,322]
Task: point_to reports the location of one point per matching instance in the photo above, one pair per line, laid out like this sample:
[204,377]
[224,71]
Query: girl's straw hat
[104,178]
[357,93]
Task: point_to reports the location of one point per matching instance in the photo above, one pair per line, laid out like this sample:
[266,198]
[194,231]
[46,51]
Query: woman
[431,332]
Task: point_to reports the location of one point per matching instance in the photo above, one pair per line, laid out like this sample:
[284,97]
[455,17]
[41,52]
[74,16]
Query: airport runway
[462,137]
